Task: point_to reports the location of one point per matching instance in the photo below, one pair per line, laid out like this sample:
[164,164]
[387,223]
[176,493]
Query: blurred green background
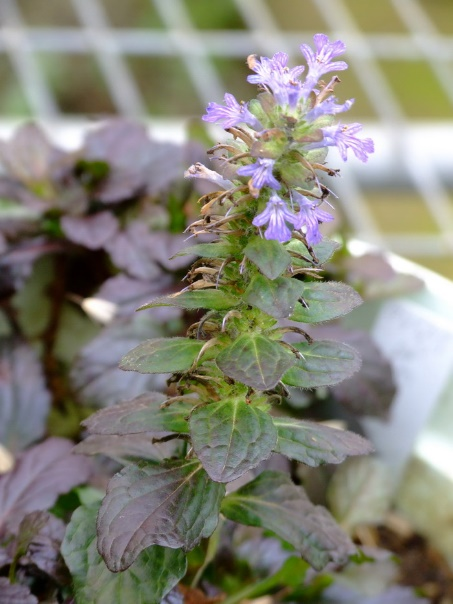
[165,59]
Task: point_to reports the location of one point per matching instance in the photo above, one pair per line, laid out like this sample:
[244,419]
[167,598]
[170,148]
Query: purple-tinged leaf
[24,398]
[323,301]
[268,255]
[40,475]
[139,415]
[213,299]
[322,363]
[93,231]
[40,536]
[315,444]
[95,375]
[173,504]
[162,355]
[218,249]
[301,256]
[155,572]
[273,502]
[231,437]
[14,593]
[276,297]
[127,447]
[255,361]
[371,390]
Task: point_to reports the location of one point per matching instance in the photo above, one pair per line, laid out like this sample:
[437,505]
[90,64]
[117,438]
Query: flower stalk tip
[282,138]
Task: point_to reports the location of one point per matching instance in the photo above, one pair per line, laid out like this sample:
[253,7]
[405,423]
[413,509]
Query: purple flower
[342,136]
[276,215]
[275,75]
[309,217]
[319,63]
[327,107]
[261,173]
[231,114]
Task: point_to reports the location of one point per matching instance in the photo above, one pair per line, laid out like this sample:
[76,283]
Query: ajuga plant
[258,281]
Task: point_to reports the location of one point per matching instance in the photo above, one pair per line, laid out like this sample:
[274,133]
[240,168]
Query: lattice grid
[401,200]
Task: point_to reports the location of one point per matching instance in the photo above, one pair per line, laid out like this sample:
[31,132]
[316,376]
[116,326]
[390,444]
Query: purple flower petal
[275,75]
[320,63]
[342,136]
[231,114]
[276,215]
[261,173]
[328,107]
[309,217]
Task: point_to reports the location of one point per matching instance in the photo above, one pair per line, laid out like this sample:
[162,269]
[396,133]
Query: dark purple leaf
[137,164]
[127,447]
[43,534]
[15,593]
[133,250]
[24,398]
[28,251]
[139,415]
[272,501]
[29,157]
[92,231]
[129,294]
[95,374]
[371,390]
[315,444]
[165,248]
[173,504]
[39,476]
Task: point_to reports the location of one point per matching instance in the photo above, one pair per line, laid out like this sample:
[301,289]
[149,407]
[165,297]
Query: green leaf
[162,355]
[324,363]
[174,504]
[325,301]
[213,299]
[255,361]
[268,255]
[323,251]
[273,502]
[141,414]
[155,572]
[277,298]
[209,250]
[231,437]
[314,444]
